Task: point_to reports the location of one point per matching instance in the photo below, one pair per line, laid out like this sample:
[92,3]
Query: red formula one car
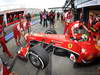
[39,45]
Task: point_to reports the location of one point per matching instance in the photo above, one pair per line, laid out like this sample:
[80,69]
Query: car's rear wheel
[38,57]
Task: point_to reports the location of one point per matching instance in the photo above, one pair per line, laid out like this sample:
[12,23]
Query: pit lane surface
[58,65]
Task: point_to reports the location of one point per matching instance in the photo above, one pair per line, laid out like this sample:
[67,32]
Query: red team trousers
[3,44]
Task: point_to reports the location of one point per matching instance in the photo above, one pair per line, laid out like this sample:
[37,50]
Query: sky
[33,3]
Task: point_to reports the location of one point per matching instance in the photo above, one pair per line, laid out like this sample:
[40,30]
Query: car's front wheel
[36,60]
[38,57]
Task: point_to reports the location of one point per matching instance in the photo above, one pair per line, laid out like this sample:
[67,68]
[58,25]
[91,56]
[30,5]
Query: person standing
[41,17]
[67,19]
[3,42]
[45,14]
[28,18]
[90,21]
[52,18]
[17,32]
[97,30]
[62,19]
[58,15]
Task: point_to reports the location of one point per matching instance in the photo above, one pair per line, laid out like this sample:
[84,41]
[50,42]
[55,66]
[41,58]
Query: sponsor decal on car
[72,57]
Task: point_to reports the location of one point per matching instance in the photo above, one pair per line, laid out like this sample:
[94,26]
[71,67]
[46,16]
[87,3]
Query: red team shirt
[16,30]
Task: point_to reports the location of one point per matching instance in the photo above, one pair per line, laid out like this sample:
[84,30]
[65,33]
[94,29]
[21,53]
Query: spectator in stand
[3,42]
[41,13]
[44,16]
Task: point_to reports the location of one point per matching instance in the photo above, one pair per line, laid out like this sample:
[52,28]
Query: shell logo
[70,45]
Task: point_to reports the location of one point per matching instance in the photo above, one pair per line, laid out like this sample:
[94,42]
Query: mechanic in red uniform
[4,70]
[17,32]
[28,18]
[74,26]
[97,29]
[71,27]
[25,26]
[3,42]
[67,19]
[28,26]
[90,21]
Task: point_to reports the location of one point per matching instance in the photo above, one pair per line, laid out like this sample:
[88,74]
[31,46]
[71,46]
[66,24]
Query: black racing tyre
[38,57]
[50,31]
